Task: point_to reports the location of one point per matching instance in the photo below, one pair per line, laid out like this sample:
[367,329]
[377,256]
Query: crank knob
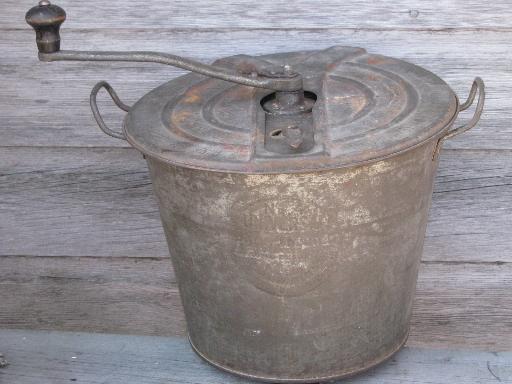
[46,20]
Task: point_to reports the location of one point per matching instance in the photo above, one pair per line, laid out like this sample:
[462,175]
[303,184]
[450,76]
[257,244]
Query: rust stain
[191,98]
[332,66]
[180,116]
[376,60]
[358,103]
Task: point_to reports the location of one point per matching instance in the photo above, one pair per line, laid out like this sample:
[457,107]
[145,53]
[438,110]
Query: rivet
[43,3]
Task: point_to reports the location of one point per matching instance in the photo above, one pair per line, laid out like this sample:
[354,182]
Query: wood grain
[99,202]
[46,104]
[78,202]
[60,357]
[470,216]
[457,304]
[460,304]
[120,295]
[200,14]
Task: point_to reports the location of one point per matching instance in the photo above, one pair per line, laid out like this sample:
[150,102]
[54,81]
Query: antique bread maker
[294,191]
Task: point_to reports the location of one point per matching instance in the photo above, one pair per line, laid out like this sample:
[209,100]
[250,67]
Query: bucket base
[341,375]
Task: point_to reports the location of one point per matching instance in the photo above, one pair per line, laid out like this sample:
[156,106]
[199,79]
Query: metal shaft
[46,20]
[293,82]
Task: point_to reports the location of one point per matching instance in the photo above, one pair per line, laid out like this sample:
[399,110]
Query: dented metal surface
[297,277]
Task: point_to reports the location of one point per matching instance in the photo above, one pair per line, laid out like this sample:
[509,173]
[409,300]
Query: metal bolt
[43,3]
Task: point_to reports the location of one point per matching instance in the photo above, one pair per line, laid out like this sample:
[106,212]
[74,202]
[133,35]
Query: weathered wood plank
[274,14]
[47,104]
[471,209]
[78,202]
[463,305]
[63,357]
[121,295]
[99,202]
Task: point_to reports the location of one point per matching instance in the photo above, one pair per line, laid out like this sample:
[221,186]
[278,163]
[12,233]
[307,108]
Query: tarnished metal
[300,277]
[96,112]
[275,78]
[47,18]
[478,85]
[295,214]
[367,107]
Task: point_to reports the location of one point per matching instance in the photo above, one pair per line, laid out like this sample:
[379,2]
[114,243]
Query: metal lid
[367,107]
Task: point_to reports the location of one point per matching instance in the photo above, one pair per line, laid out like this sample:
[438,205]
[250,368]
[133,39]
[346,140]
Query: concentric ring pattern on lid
[368,107]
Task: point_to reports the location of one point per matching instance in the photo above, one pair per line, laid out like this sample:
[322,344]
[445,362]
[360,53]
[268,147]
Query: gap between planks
[277,29]
[159,258]
[129,148]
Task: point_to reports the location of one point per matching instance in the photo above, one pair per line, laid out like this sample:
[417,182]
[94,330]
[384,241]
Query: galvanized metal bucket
[290,274]
[294,203]
[297,277]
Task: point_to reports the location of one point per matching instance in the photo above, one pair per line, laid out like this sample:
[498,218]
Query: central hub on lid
[289,123]
[356,107]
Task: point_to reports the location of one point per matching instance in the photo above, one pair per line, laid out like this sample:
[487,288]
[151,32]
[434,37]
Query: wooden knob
[46,20]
